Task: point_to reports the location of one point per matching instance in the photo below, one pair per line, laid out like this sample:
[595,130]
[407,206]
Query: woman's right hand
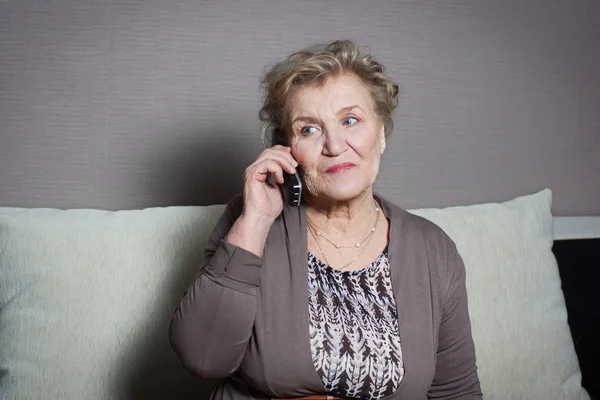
[262,199]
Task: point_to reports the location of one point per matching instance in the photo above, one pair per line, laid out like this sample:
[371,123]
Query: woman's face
[336,137]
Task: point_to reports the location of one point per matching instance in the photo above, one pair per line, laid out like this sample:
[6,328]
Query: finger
[281,147]
[287,152]
[285,160]
[275,149]
[261,170]
[282,150]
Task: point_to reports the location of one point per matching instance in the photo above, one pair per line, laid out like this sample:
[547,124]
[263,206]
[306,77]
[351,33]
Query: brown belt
[313,397]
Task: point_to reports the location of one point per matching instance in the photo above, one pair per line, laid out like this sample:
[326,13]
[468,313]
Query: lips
[339,168]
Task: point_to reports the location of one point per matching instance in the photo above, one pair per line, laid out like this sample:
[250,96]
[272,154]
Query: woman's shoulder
[416,234]
[407,223]
[408,220]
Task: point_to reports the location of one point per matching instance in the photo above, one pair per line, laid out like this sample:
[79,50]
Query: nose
[335,142]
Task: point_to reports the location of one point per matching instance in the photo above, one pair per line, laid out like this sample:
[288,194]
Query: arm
[210,328]
[456,371]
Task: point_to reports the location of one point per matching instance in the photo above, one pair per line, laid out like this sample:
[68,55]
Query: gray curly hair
[314,66]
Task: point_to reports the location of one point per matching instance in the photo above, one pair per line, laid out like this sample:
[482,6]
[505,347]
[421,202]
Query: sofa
[86,296]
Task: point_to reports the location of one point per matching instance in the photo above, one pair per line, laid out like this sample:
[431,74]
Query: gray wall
[131,103]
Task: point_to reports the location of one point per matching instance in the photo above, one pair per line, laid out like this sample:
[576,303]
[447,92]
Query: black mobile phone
[291,188]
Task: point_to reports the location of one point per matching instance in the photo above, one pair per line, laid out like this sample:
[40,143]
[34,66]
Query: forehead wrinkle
[329,95]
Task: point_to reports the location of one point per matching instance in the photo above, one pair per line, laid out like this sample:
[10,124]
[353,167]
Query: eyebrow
[341,111]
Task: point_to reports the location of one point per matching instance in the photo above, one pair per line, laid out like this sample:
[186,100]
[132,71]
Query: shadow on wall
[201,169]
[205,173]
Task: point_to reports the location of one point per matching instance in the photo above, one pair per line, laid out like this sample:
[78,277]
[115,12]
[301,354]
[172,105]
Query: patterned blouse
[354,334]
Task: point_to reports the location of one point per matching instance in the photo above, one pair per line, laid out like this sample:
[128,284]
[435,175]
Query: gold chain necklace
[345,265]
[369,237]
[341,246]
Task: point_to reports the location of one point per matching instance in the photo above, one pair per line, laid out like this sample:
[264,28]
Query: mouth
[339,168]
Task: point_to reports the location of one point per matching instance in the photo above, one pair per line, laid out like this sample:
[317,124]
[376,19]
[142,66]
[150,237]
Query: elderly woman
[345,296]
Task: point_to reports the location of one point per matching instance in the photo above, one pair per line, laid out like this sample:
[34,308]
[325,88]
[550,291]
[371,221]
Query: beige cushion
[519,319]
[86,296]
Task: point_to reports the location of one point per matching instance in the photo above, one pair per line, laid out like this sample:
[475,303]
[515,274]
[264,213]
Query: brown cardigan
[245,318]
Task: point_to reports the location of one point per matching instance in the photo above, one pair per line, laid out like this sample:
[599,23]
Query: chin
[346,190]
[338,188]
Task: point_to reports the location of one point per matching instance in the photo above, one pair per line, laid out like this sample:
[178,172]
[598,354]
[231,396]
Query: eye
[350,121]
[308,130]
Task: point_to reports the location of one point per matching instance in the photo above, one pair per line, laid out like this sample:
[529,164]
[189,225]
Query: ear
[382,138]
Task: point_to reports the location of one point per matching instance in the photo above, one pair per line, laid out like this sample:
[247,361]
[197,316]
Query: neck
[342,219]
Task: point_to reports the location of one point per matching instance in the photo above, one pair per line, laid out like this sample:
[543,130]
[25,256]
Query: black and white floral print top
[354,334]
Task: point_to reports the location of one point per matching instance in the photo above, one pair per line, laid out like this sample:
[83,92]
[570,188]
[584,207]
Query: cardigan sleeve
[456,371]
[210,328]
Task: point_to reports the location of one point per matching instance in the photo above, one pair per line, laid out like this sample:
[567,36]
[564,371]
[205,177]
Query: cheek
[311,182]
[302,154]
[308,160]
[312,179]
[367,146]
